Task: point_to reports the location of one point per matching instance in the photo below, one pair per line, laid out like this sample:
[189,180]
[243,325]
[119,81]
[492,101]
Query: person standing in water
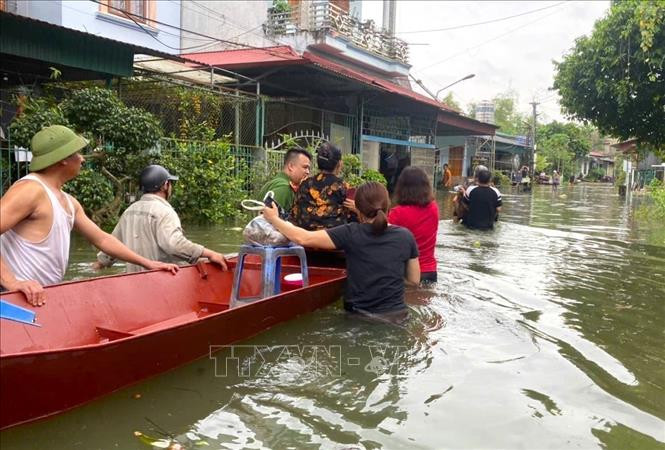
[556,180]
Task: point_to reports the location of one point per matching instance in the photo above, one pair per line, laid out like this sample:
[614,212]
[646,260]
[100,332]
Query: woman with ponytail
[380,258]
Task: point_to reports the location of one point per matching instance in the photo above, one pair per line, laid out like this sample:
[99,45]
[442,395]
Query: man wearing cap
[151,227]
[37,219]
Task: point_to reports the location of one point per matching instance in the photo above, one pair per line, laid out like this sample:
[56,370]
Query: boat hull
[39,383]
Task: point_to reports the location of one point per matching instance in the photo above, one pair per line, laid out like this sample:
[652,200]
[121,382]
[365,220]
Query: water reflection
[547,332]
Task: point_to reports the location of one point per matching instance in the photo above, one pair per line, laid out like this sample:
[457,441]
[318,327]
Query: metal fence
[196,112]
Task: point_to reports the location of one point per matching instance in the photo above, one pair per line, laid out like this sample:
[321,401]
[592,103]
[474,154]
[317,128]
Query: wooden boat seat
[205,308]
[109,334]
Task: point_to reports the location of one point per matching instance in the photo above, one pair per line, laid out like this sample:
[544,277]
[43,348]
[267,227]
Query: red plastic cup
[292,281]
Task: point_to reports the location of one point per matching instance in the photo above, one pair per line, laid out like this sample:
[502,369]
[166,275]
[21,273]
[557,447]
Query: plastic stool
[271,268]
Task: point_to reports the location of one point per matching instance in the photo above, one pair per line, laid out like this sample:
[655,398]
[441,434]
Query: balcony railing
[326,17]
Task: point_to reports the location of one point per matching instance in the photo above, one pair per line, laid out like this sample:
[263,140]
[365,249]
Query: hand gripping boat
[102,334]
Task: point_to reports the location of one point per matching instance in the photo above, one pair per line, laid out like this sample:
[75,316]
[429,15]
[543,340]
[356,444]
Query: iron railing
[325,16]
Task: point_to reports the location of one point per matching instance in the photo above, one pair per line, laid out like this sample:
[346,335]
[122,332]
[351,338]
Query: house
[640,167]
[151,24]
[328,71]
[499,151]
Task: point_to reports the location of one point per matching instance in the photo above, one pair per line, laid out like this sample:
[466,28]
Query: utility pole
[389,16]
[533,137]
[422,85]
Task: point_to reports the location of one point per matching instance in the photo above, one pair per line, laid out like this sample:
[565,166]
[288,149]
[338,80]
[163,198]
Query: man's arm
[172,241]
[16,205]
[112,246]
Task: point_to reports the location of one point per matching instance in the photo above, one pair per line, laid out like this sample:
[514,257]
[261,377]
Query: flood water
[548,332]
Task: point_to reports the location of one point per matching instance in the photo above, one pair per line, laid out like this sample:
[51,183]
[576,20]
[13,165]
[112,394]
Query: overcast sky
[515,53]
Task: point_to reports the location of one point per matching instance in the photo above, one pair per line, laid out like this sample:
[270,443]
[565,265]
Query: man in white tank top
[37,219]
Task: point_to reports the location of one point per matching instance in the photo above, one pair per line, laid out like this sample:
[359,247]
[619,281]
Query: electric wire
[436,63]
[457,27]
[196,33]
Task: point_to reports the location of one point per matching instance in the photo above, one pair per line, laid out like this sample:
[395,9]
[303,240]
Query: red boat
[103,334]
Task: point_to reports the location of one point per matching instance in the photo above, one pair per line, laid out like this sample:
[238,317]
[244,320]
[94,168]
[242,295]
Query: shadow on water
[546,332]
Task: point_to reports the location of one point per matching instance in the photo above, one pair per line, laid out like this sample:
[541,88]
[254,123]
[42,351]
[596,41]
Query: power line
[488,41]
[161,31]
[457,27]
[225,20]
[196,33]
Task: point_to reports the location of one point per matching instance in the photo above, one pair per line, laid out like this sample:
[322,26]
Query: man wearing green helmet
[37,219]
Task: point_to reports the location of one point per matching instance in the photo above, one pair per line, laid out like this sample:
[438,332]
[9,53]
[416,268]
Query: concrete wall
[48,11]
[237,21]
[86,16]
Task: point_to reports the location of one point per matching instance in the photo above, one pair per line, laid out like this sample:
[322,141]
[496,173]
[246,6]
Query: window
[10,6]
[140,10]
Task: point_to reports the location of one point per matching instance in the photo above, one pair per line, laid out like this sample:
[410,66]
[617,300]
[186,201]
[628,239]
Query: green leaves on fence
[211,180]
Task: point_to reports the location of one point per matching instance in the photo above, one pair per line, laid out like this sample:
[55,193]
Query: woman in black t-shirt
[380,258]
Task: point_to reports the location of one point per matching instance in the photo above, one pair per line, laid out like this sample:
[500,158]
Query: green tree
[614,78]
[555,150]
[449,100]
[506,115]
[579,137]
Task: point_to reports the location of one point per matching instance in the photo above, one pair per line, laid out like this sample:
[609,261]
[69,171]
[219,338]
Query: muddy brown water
[548,332]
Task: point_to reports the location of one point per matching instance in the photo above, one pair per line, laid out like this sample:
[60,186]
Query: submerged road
[548,332]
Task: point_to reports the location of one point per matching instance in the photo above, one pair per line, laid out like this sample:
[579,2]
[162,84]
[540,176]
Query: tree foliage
[579,137]
[36,113]
[555,151]
[506,115]
[208,189]
[449,100]
[614,78]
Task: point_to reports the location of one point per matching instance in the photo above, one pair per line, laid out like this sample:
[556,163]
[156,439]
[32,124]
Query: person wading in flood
[38,217]
[380,258]
[417,211]
[483,202]
[297,164]
[152,228]
[556,180]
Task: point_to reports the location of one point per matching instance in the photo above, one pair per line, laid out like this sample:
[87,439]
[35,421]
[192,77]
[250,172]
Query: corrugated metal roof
[247,57]
[280,55]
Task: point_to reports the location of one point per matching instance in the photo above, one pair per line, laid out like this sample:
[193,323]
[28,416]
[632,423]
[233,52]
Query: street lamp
[471,75]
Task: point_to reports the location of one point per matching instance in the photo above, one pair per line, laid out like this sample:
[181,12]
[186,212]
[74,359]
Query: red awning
[248,57]
[285,55]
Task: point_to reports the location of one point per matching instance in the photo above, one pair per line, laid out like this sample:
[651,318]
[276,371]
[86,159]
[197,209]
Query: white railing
[322,15]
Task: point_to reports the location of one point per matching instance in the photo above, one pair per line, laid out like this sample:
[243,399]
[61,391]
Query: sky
[515,53]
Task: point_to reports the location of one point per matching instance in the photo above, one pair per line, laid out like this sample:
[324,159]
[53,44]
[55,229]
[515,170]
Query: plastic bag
[260,232]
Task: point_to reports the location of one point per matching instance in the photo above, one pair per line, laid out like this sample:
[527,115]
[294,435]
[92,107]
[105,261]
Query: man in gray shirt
[152,228]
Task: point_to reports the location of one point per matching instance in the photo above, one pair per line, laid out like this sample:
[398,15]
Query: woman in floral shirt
[319,202]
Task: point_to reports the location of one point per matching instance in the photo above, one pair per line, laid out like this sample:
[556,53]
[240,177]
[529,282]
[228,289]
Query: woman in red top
[417,211]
